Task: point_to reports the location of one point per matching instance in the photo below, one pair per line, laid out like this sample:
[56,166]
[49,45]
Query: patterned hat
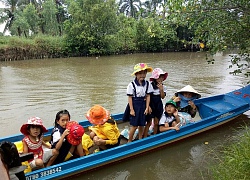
[156,74]
[141,67]
[32,121]
[76,132]
[97,115]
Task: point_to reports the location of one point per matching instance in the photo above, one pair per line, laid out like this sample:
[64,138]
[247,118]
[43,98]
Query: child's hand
[98,141]
[132,112]
[160,86]
[65,133]
[175,113]
[146,111]
[177,99]
[191,103]
[177,127]
[149,110]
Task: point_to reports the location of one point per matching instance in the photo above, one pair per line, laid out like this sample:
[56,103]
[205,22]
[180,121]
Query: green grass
[234,163]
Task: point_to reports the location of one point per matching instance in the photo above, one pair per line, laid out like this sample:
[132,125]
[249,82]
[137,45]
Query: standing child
[33,142]
[159,93]
[59,140]
[169,119]
[105,132]
[138,92]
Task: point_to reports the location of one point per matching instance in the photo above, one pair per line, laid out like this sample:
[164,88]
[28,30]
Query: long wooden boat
[214,111]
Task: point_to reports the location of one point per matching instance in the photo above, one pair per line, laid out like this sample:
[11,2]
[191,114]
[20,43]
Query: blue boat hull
[214,111]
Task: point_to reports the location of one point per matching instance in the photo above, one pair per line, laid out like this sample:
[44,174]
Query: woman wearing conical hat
[184,99]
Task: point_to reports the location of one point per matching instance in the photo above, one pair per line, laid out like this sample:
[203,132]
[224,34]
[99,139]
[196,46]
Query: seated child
[33,142]
[169,119]
[105,133]
[184,99]
[63,144]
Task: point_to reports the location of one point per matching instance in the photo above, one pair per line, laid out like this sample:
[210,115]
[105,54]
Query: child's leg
[145,133]
[92,134]
[156,124]
[140,131]
[131,133]
[39,163]
[79,150]
[72,149]
[53,157]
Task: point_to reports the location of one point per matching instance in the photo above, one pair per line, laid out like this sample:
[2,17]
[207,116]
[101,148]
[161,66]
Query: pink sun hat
[156,74]
[32,121]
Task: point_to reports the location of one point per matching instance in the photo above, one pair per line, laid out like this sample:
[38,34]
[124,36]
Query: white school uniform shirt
[140,90]
[57,136]
[165,119]
[157,91]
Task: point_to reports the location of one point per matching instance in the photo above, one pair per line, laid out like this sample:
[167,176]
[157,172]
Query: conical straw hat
[189,88]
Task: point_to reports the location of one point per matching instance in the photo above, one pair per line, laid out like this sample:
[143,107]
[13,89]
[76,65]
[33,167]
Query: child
[184,100]
[138,92]
[59,141]
[169,119]
[33,142]
[105,133]
[159,93]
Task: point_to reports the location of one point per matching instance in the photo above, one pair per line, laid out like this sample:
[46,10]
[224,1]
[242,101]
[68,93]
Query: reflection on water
[44,87]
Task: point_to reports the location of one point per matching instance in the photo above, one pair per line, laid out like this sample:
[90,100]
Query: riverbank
[17,48]
[41,47]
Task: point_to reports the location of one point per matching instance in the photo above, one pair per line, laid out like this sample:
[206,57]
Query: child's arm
[60,142]
[147,104]
[25,147]
[176,99]
[177,118]
[193,109]
[132,111]
[47,145]
[167,127]
[161,88]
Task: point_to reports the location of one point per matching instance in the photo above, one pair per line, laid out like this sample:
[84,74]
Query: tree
[126,34]
[129,7]
[153,35]
[228,24]
[49,18]
[92,26]
[220,25]
[32,18]
[7,14]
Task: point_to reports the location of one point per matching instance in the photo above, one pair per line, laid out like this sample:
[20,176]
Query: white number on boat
[224,115]
[44,173]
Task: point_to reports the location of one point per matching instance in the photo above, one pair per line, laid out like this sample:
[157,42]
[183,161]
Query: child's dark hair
[154,84]
[59,115]
[111,120]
